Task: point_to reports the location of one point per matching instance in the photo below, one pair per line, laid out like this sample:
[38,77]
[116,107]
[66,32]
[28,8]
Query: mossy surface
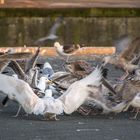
[70,12]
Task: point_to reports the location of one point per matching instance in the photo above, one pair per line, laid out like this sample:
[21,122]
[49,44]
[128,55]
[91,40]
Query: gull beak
[49,82]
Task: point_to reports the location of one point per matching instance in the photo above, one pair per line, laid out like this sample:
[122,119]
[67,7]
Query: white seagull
[75,95]
[66,50]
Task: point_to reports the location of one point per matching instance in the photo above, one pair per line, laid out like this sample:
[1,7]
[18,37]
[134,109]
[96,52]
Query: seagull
[49,107]
[9,60]
[127,53]
[82,68]
[129,92]
[63,82]
[52,33]
[43,74]
[66,50]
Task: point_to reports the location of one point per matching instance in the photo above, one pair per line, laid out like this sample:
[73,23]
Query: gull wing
[55,26]
[122,43]
[52,33]
[132,52]
[3,65]
[32,62]
[17,69]
[128,90]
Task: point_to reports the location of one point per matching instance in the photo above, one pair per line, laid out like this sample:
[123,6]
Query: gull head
[57,45]
[106,60]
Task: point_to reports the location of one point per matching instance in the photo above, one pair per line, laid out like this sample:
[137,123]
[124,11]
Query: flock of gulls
[78,87]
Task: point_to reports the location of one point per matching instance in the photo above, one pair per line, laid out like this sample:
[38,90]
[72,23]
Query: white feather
[18,90]
[75,95]
[48,105]
[48,93]
[60,50]
[42,84]
[93,79]
[47,65]
[21,92]
[79,91]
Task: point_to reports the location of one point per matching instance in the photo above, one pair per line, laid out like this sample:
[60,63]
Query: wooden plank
[50,51]
[82,8]
[70,3]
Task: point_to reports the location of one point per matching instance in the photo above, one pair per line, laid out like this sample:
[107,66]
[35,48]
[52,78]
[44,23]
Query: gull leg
[133,110]
[134,59]
[63,65]
[126,108]
[124,76]
[136,114]
[18,111]
[84,111]
[67,59]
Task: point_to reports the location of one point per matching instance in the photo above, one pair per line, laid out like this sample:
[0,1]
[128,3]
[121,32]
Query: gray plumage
[122,43]
[47,70]
[52,33]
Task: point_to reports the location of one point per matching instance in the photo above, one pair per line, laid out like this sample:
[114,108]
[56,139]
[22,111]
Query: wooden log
[50,51]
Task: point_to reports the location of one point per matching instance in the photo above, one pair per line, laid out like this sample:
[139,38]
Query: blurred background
[91,31]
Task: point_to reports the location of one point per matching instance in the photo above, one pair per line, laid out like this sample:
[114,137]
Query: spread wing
[17,69]
[132,52]
[52,33]
[55,26]
[32,62]
[6,58]
[3,65]
[122,43]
